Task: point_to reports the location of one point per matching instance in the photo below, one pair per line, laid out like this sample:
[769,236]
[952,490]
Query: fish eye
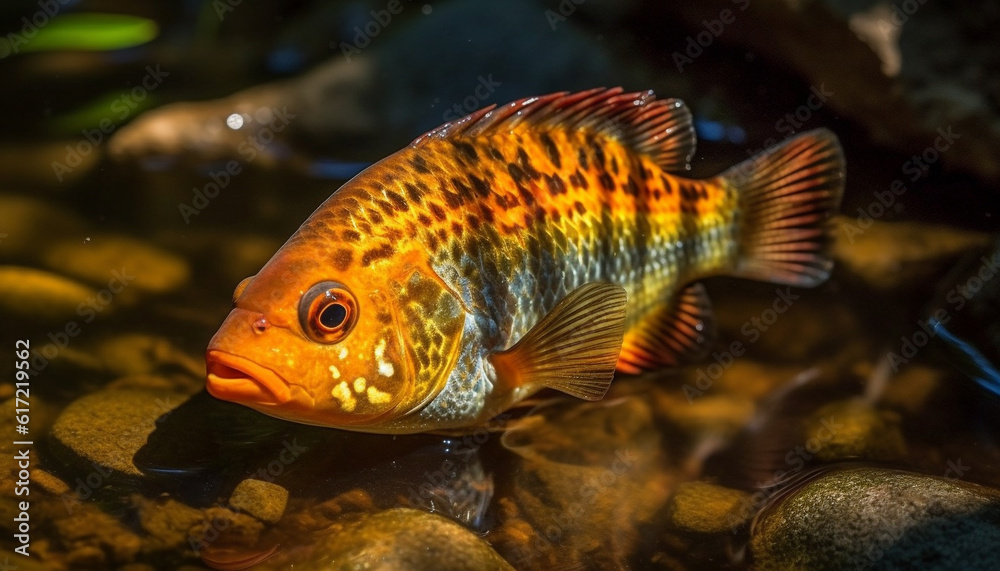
[327,312]
[333,316]
[240,287]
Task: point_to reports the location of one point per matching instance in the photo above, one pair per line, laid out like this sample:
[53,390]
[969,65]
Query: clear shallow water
[119,269]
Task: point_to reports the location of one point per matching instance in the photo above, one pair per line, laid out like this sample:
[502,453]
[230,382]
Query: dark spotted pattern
[379,253]
[536,217]
[342,259]
[551,150]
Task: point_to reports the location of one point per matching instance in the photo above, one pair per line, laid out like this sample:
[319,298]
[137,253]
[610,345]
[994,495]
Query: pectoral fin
[573,349]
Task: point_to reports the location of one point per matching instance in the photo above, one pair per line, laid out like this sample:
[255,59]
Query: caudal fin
[787,196]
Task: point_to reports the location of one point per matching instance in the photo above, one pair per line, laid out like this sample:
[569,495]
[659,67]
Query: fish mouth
[238,379]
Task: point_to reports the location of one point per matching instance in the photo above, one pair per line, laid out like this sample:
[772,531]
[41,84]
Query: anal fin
[574,348]
[677,333]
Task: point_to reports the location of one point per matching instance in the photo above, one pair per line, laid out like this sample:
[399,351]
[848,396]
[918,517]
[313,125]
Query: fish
[542,244]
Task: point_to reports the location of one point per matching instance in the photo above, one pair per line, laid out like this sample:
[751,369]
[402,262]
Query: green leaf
[92,31]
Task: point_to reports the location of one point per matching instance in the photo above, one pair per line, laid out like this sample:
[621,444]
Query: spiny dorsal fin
[574,348]
[660,128]
[678,333]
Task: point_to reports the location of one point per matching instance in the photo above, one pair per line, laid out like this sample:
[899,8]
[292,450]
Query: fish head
[353,349]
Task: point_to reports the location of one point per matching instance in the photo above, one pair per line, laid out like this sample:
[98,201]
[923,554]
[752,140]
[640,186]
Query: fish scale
[542,244]
[630,240]
[616,230]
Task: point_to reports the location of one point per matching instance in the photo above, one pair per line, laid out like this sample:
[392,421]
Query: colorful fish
[541,244]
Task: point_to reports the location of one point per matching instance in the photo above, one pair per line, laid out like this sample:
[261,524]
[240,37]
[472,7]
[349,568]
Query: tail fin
[787,194]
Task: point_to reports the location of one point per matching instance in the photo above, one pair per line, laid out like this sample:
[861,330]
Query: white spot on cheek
[385,369]
[335,371]
[343,394]
[343,353]
[376,396]
[359,384]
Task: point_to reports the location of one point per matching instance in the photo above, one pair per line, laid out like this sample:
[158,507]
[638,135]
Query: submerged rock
[854,429]
[585,468]
[28,224]
[119,264]
[263,500]
[708,415]
[912,389]
[49,483]
[780,325]
[107,428]
[862,517]
[167,524]
[701,507]
[912,73]
[223,526]
[397,539]
[134,360]
[141,353]
[385,95]
[889,256]
[38,294]
[89,537]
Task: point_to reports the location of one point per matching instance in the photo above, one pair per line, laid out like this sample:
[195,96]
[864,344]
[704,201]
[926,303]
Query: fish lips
[238,379]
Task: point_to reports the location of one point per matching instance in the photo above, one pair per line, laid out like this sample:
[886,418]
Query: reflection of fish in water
[460,490]
[493,258]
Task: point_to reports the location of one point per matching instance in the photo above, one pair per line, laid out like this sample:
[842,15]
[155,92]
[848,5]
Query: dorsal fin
[660,128]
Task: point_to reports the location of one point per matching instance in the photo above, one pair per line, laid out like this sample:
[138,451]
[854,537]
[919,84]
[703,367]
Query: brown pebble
[263,500]
[49,483]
